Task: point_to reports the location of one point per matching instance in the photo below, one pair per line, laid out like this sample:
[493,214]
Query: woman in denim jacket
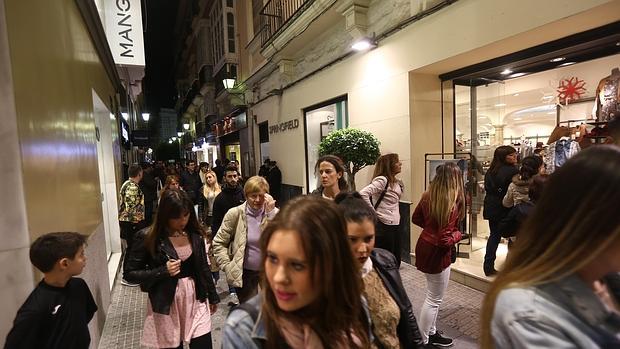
[310,285]
[549,293]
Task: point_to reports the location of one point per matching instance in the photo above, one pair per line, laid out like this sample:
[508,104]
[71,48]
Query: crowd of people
[322,271]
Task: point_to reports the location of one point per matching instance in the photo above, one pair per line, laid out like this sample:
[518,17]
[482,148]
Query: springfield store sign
[123,19]
[284,126]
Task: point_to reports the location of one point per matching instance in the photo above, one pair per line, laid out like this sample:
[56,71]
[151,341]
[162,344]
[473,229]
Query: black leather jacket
[386,266]
[152,275]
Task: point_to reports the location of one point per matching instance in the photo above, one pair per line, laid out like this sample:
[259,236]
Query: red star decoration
[571,89]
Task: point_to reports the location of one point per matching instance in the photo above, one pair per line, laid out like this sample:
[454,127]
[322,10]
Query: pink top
[387,211]
[188,318]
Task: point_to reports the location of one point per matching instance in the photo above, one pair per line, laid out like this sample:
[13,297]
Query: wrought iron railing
[276,14]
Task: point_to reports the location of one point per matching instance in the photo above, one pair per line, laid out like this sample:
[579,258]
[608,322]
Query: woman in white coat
[236,245]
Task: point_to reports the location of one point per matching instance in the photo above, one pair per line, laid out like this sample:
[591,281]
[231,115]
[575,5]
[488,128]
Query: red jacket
[434,247]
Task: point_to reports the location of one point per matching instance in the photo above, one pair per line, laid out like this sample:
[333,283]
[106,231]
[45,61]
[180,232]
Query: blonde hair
[446,193]
[564,233]
[255,184]
[215,188]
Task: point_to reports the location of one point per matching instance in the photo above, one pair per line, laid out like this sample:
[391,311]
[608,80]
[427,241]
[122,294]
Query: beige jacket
[230,240]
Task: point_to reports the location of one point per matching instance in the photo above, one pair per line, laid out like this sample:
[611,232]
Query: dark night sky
[159,85]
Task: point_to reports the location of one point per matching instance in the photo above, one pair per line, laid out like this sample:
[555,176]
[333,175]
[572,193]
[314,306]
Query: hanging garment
[608,97]
[558,152]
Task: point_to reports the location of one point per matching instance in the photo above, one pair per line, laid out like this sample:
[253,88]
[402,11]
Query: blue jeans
[492,243]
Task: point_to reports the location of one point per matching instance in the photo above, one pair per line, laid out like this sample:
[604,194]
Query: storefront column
[499,135]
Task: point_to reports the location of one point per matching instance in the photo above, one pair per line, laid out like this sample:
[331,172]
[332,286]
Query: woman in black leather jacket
[394,324]
[169,261]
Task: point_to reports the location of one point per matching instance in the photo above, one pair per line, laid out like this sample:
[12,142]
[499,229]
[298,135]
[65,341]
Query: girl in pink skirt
[169,261]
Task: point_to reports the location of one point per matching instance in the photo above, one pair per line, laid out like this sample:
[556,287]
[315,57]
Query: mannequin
[608,97]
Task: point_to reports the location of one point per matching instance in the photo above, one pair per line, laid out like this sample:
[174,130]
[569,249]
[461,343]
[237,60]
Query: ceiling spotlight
[500,105]
[364,44]
[516,75]
[515,95]
[517,119]
[506,72]
[566,64]
[557,59]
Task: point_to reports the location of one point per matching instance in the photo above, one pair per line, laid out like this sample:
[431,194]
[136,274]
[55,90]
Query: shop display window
[319,121]
[522,112]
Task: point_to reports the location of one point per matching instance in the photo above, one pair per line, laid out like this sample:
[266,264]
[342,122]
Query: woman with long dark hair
[395,325]
[549,293]
[496,182]
[169,261]
[331,172]
[310,285]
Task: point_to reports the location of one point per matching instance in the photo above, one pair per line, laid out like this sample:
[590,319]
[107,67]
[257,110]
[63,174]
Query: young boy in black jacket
[57,312]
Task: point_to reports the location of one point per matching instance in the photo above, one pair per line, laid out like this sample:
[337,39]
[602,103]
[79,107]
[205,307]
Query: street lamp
[146,116]
[186,126]
[180,134]
[228,83]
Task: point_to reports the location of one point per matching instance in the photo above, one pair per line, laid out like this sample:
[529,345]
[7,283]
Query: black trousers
[387,237]
[202,342]
[250,285]
[128,231]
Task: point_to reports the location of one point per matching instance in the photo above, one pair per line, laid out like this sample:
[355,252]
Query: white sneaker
[234,300]
[128,284]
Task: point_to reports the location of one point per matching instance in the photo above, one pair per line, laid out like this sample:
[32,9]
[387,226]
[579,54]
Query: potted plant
[356,148]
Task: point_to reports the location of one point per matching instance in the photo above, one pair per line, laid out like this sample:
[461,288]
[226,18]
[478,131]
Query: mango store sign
[123,26]
[284,126]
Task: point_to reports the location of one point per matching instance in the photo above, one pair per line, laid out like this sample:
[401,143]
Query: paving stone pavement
[458,315]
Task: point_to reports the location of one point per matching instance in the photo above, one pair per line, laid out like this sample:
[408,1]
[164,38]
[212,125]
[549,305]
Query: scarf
[304,337]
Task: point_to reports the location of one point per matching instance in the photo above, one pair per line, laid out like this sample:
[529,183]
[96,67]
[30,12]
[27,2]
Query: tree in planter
[356,148]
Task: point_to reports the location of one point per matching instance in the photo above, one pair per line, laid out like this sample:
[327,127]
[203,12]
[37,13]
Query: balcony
[276,14]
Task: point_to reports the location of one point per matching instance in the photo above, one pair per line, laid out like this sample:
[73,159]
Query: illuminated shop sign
[123,27]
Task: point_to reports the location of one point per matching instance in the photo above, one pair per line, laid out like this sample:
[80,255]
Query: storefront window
[522,112]
[320,120]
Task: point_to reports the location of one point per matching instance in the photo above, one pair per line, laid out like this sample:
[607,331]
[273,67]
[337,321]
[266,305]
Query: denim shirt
[240,331]
[560,314]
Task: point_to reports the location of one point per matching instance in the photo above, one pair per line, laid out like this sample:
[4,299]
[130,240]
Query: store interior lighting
[146,116]
[506,72]
[112,117]
[364,44]
[125,116]
[566,64]
[557,59]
